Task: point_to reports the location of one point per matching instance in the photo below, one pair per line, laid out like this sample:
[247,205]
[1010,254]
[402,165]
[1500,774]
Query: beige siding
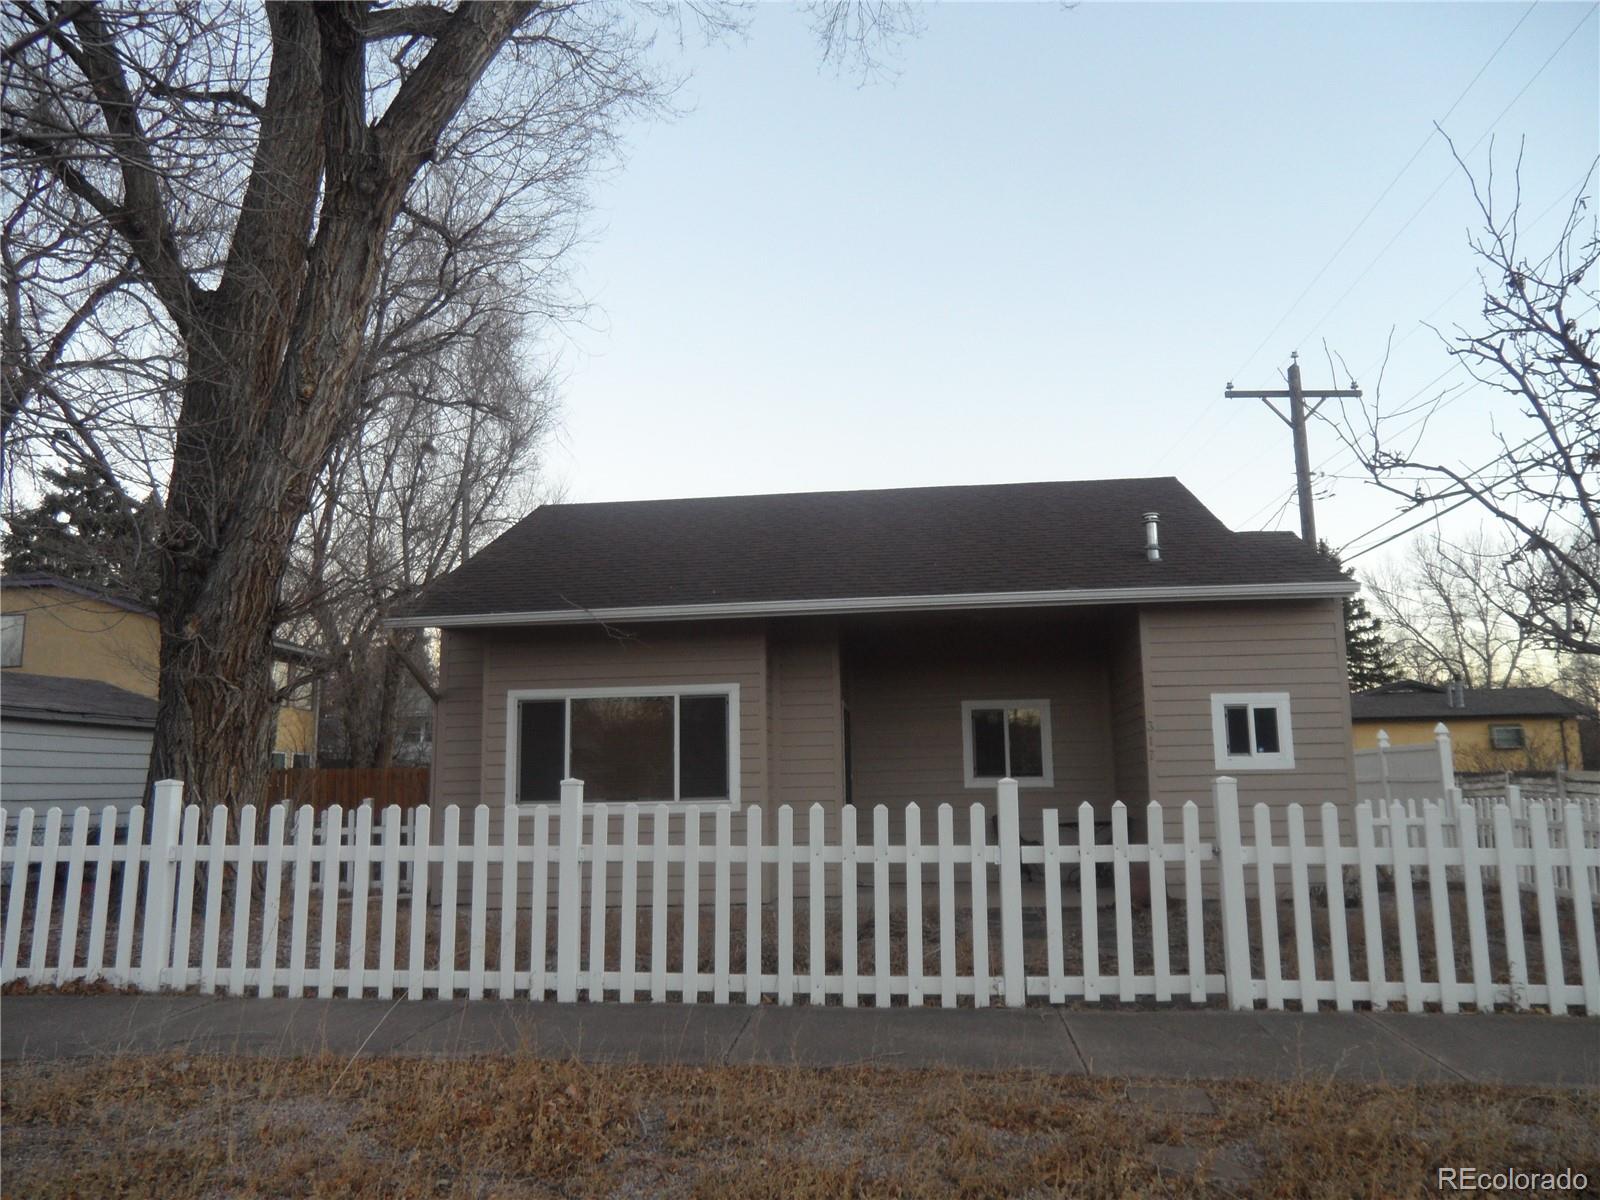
[1192,651]
[1127,714]
[905,694]
[457,773]
[805,718]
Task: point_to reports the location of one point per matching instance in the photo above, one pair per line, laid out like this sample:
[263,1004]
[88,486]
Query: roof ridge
[879,491]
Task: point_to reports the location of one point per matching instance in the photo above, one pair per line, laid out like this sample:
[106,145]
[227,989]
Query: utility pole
[1296,421]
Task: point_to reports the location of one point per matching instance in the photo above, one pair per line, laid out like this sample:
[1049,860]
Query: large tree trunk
[272,353]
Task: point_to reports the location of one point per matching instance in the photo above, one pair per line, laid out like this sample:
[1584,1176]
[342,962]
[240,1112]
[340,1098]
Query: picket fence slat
[600,821]
[1194,902]
[1155,834]
[849,978]
[104,850]
[1089,903]
[1582,907]
[332,845]
[1439,897]
[722,965]
[1549,930]
[63,923]
[979,868]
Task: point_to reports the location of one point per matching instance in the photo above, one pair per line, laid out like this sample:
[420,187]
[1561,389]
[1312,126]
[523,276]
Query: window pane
[622,747]
[1027,744]
[1236,719]
[1266,731]
[539,751]
[703,747]
[11,626]
[988,743]
[1506,737]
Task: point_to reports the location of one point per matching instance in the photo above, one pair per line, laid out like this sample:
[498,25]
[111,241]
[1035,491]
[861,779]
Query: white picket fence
[572,911]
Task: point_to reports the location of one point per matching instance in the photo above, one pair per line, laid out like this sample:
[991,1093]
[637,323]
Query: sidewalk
[1181,1044]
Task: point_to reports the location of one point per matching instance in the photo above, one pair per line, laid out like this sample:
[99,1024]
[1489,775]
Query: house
[1097,640]
[66,741]
[1491,729]
[58,628]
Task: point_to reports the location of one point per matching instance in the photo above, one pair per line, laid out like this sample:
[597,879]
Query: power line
[1429,520]
[1434,517]
[1449,175]
[1383,195]
[1210,408]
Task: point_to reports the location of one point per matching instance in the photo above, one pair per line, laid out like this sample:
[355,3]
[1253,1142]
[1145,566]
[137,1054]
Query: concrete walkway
[1179,1044]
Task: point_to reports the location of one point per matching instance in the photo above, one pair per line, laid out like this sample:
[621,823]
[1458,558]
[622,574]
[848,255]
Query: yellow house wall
[1549,740]
[80,637]
[296,731]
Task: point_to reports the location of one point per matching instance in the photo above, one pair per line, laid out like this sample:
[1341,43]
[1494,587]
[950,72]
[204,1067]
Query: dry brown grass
[511,1126]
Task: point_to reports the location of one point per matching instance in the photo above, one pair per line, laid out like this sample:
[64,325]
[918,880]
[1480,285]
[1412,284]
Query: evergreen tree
[1369,654]
[81,530]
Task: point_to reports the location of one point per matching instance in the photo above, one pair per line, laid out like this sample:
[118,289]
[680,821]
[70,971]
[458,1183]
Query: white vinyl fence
[1387,773]
[1434,905]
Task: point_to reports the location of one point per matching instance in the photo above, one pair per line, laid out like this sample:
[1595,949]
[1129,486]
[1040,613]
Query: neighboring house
[1491,729]
[885,647]
[70,741]
[55,627]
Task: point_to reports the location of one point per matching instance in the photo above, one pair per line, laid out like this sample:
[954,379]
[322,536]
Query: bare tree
[1536,346]
[1448,612]
[203,201]
[233,177]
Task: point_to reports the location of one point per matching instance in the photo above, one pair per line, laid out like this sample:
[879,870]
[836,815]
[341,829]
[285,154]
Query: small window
[302,761]
[11,629]
[676,745]
[1003,738]
[1507,737]
[1251,731]
[280,760]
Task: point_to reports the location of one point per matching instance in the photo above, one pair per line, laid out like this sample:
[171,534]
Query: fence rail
[1425,905]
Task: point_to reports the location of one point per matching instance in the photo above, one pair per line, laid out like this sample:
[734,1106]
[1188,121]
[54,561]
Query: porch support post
[1010,838]
[1235,923]
[569,891]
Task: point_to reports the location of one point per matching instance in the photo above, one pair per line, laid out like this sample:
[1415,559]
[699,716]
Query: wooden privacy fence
[324,787]
[1447,908]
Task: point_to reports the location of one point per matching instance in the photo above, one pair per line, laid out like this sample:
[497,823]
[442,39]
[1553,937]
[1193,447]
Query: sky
[1043,248]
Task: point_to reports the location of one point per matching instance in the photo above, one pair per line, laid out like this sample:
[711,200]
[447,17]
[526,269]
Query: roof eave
[1305,590]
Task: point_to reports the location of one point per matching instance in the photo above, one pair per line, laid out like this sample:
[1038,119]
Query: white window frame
[516,696]
[1045,780]
[1522,735]
[20,620]
[1281,761]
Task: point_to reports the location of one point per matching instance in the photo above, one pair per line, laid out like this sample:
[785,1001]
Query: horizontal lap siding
[457,773]
[54,763]
[1191,651]
[905,700]
[806,740]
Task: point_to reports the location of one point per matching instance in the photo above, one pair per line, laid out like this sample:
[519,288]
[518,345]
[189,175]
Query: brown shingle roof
[820,546]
